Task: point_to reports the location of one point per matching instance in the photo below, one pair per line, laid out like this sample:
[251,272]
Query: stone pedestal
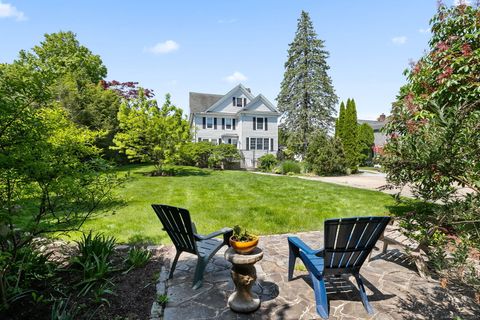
[244,276]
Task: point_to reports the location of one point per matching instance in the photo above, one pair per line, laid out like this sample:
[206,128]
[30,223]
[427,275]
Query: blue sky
[210,46]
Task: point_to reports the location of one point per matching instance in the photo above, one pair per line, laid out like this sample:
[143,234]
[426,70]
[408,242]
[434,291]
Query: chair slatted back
[176,222]
[349,241]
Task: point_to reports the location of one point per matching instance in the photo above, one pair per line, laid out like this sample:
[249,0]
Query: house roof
[199,102]
[264,100]
[230,93]
[376,125]
[207,102]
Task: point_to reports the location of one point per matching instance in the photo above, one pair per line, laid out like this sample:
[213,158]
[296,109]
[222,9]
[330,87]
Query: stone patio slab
[394,288]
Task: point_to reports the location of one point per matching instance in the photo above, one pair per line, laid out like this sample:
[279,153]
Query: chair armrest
[303,246]
[213,234]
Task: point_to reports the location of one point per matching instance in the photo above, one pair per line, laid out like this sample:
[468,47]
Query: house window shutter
[233,101]
[233,123]
[254,123]
[204,122]
[266,124]
[223,123]
[219,140]
[248,144]
[244,102]
[199,139]
[215,123]
[271,144]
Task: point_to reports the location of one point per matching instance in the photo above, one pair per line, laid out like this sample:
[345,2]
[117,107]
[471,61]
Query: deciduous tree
[151,134]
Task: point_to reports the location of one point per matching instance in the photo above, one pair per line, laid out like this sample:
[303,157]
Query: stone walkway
[394,288]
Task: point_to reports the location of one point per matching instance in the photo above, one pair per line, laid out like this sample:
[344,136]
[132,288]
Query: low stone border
[156,313]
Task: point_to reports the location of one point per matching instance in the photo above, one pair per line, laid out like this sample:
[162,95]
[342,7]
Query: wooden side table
[244,276]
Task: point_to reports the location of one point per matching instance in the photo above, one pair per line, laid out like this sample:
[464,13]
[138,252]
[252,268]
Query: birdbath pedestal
[244,276]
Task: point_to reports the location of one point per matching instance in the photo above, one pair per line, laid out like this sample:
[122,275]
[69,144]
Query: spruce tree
[350,136]
[307,97]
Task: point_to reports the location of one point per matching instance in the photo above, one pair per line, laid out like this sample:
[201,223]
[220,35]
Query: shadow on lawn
[175,171]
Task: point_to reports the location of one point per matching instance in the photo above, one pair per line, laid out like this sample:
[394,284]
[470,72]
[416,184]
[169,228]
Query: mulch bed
[134,294]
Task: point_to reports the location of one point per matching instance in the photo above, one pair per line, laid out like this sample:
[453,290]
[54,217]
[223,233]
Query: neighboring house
[239,118]
[380,139]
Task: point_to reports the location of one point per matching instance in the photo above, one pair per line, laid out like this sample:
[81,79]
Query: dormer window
[239,102]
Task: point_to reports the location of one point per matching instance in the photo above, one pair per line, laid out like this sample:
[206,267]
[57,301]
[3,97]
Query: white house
[249,122]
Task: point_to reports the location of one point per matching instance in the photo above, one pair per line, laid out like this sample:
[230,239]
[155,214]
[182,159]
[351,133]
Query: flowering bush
[434,128]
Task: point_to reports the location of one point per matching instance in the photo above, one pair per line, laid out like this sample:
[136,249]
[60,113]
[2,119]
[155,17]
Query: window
[252,143]
[259,123]
[265,143]
[214,141]
[209,122]
[228,123]
[259,143]
[239,102]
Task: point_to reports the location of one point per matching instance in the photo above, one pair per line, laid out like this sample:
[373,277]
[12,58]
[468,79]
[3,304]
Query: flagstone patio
[395,289]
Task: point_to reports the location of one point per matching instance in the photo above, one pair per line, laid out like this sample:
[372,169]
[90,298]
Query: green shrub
[325,155]
[289,166]
[267,162]
[222,155]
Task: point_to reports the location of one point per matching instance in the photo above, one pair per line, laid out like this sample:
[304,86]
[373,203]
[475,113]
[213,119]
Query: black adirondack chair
[181,230]
[347,243]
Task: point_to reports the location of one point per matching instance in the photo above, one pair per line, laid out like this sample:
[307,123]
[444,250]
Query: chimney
[381,118]
[248,89]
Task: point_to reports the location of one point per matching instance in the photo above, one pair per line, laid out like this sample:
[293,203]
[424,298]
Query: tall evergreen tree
[350,136]
[339,123]
[307,97]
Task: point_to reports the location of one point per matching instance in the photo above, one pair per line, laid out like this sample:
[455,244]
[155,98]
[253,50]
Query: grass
[263,204]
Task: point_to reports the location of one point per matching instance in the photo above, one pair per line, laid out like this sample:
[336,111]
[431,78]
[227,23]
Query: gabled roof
[199,102]
[229,95]
[261,98]
[376,125]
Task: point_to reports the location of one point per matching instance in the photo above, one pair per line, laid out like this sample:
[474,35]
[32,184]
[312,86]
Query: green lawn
[263,204]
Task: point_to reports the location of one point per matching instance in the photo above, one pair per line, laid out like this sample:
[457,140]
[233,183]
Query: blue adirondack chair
[347,243]
[181,230]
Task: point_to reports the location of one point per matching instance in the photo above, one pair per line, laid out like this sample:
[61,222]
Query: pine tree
[339,123]
[349,139]
[307,97]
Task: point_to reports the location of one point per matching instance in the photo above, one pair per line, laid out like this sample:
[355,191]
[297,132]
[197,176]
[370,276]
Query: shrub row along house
[239,118]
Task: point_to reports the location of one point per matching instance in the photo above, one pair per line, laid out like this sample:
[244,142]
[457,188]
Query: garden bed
[133,292]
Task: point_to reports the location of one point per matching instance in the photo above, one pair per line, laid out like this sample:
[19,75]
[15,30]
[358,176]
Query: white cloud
[421,30]
[236,77]
[459,2]
[9,11]
[227,21]
[399,40]
[164,47]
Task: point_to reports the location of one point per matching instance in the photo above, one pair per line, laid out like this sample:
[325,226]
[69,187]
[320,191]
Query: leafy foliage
[325,155]
[94,263]
[434,125]
[289,166]
[52,177]
[241,234]
[149,133]
[137,257]
[223,154]
[306,97]
[267,162]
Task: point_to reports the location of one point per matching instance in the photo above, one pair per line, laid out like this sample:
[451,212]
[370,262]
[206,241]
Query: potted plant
[242,241]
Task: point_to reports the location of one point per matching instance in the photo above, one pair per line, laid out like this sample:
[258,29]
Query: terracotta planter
[243,247]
